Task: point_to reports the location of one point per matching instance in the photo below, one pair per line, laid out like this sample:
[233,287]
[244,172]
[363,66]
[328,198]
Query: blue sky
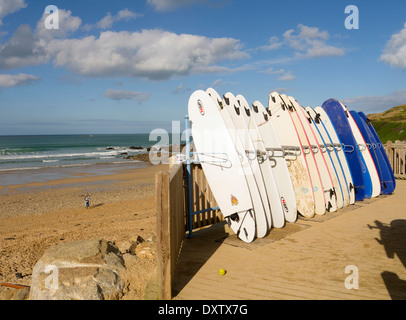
[130,66]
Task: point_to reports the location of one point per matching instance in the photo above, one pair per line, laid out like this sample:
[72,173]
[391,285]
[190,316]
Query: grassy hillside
[391,124]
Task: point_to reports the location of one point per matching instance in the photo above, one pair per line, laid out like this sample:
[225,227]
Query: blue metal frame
[189,180]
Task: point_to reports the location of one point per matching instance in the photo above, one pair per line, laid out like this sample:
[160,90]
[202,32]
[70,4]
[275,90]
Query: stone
[14,294]
[124,246]
[130,245]
[145,251]
[81,270]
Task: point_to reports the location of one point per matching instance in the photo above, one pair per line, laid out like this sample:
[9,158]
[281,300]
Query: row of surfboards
[265,165]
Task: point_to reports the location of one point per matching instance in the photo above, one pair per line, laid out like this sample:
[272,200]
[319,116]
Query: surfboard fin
[247,111]
[237,110]
[235,217]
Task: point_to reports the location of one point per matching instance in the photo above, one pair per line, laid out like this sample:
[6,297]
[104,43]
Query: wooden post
[172,222]
[390,154]
[170,218]
[163,234]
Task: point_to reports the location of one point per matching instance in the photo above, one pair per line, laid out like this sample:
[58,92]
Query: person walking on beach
[87,202]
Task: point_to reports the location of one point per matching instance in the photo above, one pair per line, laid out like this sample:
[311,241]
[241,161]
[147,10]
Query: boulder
[129,246]
[81,270]
[14,294]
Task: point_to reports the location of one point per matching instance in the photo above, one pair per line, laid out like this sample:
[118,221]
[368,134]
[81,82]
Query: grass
[388,130]
[390,124]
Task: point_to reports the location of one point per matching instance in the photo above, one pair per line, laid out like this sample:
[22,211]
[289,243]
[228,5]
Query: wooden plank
[172,221]
[163,245]
[170,226]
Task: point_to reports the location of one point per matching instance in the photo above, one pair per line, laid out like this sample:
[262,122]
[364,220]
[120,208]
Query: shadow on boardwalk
[393,239]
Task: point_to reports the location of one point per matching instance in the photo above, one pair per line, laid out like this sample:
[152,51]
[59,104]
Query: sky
[96,66]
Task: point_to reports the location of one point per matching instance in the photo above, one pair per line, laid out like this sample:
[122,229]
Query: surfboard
[221,165]
[317,186]
[329,192]
[372,174]
[354,158]
[330,135]
[277,211]
[330,158]
[277,159]
[371,145]
[294,155]
[254,177]
[388,177]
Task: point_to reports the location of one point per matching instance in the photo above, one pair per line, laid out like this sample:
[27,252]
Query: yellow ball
[222,272]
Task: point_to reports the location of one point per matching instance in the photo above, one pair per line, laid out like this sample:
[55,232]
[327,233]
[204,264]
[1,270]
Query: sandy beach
[35,216]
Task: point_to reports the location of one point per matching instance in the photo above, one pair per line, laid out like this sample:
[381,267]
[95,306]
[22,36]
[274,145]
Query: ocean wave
[64,155]
[17,169]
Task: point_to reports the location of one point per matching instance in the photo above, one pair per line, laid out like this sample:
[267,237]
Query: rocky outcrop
[82,270]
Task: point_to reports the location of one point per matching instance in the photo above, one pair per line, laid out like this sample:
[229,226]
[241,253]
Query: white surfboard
[331,158]
[277,159]
[330,195]
[318,189]
[294,156]
[336,143]
[277,211]
[221,165]
[255,180]
[376,183]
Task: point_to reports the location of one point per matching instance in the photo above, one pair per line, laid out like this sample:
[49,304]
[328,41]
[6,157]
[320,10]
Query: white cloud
[307,42]
[10,6]
[181,89]
[68,24]
[151,54]
[394,53]
[22,49]
[169,5]
[273,44]
[13,80]
[287,77]
[283,75]
[371,104]
[217,83]
[273,71]
[310,42]
[28,47]
[126,95]
[108,21]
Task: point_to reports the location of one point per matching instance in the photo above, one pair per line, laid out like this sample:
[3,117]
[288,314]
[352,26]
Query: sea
[39,155]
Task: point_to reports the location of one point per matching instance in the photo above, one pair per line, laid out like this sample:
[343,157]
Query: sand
[38,215]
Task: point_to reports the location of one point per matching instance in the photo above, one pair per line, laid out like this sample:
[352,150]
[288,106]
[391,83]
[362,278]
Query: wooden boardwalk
[304,260]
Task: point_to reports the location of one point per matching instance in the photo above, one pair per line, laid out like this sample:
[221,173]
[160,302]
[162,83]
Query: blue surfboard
[388,180]
[363,128]
[340,122]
